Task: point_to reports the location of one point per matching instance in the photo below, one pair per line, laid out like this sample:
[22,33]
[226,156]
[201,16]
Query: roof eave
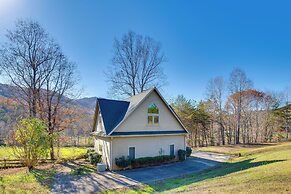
[148,135]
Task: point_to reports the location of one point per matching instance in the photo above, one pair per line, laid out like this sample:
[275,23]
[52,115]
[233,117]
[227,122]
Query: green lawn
[38,180]
[65,153]
[68,153]
[236,150]
[261,169]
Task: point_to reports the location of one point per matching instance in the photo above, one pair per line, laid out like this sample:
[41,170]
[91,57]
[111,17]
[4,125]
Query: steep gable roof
[114,112]
[137,99]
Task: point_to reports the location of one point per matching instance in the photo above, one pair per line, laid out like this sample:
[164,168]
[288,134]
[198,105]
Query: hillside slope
[10,110]
[265,169]
[11,92]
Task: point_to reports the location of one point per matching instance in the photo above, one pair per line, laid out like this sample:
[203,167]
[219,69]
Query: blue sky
[201,39]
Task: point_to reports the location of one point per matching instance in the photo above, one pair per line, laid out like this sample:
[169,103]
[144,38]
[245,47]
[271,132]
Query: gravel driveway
[95,182]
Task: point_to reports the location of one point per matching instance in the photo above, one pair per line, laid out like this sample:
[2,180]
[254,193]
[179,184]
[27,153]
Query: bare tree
[136,65]
[53,98]
[36,65]
[215,93]
[26,59]
[237,84]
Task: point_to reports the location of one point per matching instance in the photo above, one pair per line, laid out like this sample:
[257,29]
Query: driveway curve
[95,182]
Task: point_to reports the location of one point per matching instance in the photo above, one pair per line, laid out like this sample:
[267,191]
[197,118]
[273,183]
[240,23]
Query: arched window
[153,114]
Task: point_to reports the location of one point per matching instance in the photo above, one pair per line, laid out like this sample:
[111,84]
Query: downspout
[111,154]
[184,142]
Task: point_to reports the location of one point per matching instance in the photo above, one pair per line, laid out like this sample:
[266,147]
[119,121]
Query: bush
[181,155]
[88,152]
[94,158]
[33,141]
[122,162]
[151,160]
[188,151]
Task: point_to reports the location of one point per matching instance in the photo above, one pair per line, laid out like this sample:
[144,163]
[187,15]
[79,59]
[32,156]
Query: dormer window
[153,114]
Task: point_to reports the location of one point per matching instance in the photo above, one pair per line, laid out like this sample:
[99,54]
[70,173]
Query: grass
[6,153]
[66,153]
[236,150]
[260,169]
[83,170]
[36,181]
[72,153]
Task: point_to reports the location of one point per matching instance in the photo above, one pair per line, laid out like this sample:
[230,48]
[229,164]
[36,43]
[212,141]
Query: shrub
[33,141]
[94,158]
[181,155]
[151,160]
[188,151]
[122,162]
[88,152]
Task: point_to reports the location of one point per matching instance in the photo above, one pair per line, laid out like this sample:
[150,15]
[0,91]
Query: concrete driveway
[95,182]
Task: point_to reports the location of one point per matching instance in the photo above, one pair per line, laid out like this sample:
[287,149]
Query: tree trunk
[52,152]
[222,134]
[237,137]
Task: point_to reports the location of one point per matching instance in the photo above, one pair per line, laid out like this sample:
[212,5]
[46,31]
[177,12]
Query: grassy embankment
[260,169]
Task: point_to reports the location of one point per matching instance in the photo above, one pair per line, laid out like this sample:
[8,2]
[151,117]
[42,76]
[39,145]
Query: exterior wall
[106,149]
[99,124]
[145,146]
[138,120]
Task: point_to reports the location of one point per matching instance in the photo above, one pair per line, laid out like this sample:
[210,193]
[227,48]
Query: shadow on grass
[44,177]
[82,170]
[79,169]
[221,170]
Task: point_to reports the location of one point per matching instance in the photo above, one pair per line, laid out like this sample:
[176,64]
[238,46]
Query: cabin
[143,125]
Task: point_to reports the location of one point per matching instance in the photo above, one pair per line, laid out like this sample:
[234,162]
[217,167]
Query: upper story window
[153,114]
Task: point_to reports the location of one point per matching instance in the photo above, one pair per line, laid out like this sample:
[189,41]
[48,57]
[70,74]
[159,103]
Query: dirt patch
[12,171]
[47,166]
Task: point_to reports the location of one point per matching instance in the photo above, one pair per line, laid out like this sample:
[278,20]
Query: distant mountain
[88,102]
[10,110]
[10,92]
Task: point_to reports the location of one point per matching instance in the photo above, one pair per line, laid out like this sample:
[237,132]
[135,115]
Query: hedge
[122,162]
[146,161]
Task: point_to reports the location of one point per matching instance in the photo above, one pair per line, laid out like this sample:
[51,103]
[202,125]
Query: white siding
[146,146]
[100,125]
[106,149]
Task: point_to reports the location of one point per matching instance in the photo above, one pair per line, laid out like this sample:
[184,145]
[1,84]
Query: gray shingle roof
[114,111]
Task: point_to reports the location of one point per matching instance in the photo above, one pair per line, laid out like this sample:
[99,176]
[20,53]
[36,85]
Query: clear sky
[201,39]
